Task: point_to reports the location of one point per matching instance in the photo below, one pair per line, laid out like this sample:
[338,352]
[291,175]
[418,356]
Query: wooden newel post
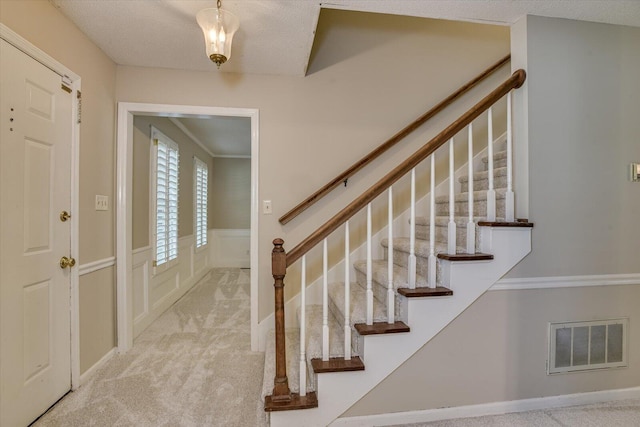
[281,392]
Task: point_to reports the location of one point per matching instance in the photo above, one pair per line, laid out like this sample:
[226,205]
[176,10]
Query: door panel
[35,183]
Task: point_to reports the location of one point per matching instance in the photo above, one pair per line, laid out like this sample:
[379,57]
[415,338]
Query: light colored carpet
[192,367]
[622,413]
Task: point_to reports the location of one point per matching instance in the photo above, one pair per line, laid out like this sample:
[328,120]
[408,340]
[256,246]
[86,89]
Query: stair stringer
[382,354]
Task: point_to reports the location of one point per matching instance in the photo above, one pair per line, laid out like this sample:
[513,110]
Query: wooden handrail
[515,81]
[309,201]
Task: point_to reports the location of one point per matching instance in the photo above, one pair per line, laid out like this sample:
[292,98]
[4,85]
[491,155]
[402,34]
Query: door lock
[64,216]
[67,262]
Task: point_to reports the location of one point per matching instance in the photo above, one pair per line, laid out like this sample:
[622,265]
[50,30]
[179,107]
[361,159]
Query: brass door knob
[67,262]
[64,215]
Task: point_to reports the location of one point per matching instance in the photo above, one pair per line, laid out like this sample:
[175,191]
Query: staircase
[386,309]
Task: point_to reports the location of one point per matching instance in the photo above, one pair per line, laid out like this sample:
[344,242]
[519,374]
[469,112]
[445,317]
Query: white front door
[35,184]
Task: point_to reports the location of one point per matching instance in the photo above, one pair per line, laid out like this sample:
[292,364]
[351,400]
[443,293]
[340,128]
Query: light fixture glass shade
[218,27]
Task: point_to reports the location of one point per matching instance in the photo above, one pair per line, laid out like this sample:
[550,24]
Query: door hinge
[79,98]
[66,84]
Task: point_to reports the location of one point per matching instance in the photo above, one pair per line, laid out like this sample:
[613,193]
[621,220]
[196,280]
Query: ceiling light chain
[219,27]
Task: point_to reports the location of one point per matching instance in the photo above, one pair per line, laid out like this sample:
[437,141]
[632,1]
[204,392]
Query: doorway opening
[134,304]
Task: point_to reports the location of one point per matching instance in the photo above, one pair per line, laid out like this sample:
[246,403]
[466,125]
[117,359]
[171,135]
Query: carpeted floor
[622,413]
[192,367]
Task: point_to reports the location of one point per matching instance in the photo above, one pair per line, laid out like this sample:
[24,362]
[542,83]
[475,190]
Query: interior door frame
[74,79]
[124,212]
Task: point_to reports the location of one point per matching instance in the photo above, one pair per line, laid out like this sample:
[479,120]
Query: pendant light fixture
[218,27]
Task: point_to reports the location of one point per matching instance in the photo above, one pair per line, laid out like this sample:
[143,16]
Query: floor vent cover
[582,346]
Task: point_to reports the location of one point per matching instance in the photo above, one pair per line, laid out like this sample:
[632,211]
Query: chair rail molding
[97,265]
[566,282]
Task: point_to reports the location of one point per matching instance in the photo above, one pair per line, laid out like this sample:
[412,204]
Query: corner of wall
[520,118]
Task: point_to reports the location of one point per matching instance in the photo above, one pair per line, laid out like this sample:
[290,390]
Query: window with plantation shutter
[201,172]
[166,197]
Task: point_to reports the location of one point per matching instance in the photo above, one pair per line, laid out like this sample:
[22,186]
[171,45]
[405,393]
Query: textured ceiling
[276,36]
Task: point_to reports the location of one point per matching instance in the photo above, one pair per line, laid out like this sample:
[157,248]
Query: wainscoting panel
[154,293]
[230,248]
[140,290]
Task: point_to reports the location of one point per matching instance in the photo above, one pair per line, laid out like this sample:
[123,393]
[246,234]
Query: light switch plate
[102,202]
[634,175]
[266,207]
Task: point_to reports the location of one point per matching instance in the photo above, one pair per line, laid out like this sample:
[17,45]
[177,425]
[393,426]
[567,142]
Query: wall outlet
[102,202]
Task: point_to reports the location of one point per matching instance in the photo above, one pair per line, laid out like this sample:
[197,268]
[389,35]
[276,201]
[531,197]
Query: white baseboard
[92,370]
[494,408]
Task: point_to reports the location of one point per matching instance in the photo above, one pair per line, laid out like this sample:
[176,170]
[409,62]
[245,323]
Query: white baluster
[509,202]
[432,225]
[369,270]
[347,294]
[451,241]
[390,289]
[412,233]
[303,328]
[491,192]
[471,226]
[325,303]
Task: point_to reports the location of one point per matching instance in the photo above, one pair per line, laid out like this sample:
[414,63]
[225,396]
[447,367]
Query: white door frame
[74,81]
[124,212]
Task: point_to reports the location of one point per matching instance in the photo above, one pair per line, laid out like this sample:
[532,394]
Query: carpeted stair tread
[358,303]
[443,220]
[482,175]
[421,247]
[293,365]
[380,274]
[497,155]
[314,333]
[480,195]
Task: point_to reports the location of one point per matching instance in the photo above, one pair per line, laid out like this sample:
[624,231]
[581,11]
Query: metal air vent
[581,346]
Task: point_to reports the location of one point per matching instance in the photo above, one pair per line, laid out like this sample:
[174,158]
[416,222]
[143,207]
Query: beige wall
[45,27]
[141,157]
[584,104]
[583,101]
[97,316]
[354,98]
[230,198]
[497,350]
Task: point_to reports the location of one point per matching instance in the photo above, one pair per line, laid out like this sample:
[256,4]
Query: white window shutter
[166,194]
[201,171]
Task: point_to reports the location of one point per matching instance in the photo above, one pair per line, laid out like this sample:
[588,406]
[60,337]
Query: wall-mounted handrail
[515,81]
[309,201]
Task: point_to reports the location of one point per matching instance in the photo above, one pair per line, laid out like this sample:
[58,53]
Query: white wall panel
[154,293]
[230,248]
